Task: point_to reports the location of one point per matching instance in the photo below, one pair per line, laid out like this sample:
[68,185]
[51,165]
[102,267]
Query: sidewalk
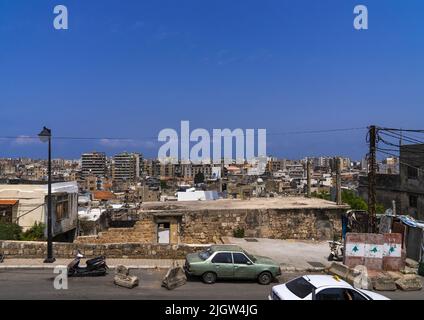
[292,255]
[12,263]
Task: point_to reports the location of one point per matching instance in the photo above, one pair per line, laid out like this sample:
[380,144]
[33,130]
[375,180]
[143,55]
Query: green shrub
[10,231]
[238,233]
[322,195]
[35,233]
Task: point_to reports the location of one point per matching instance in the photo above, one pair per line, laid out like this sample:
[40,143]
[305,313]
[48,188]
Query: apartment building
[93,163]
[126,166]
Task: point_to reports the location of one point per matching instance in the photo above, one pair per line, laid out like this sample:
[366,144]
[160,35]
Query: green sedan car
[230,262]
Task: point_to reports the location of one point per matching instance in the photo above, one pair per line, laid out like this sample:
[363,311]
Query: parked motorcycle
[336,251]
[95,267]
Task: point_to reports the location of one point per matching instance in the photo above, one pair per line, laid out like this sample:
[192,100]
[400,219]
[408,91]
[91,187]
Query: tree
[35,233]
[163,184]
[199,178]
[354,201]
[10,231]
[322,195]
[349,197]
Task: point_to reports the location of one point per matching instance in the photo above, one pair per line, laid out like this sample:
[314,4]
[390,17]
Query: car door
[331,294]
[355,295]
[243,267]
[343,294]
[222,263]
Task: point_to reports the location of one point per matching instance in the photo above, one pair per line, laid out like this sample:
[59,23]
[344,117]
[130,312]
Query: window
[332,294]
[204,255]
[412,173]
[223,257]
[356,296]
[300,287]
[240,258]
[413,201]
[251,257]
[340,294]
[62,207]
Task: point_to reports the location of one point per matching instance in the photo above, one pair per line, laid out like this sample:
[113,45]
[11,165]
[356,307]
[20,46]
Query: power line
[401,162]
[402,130]
[402,137]
[151,137]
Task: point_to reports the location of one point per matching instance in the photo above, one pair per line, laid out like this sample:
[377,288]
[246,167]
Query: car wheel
[209,277]
[265,278]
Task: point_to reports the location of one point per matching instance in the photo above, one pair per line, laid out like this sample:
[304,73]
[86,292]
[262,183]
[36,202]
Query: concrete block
[395,275]
[175,277]
[409,282]
[384,282]
[408,270]
[126,281]
[374,247]
[359,278]
[339,269]
[393,259]
[123,270]
[411,263]
[354,249]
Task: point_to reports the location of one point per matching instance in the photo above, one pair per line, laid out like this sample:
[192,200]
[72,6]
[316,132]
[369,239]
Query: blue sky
[132,68]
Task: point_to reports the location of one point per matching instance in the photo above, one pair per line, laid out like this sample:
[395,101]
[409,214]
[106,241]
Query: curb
[296,269]
[41,267]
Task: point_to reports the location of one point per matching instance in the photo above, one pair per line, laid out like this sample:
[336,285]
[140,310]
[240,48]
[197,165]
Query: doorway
[163,232]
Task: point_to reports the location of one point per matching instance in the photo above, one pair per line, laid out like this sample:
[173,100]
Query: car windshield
[251,257]
[300,287]
[205,254]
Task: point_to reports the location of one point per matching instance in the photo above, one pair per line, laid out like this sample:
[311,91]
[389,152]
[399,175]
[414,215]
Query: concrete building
[389,166]
[26,204]
[205,222]
[151,168]
[126,166]
[275,165]
[296,171]
[93,163]
[406,188]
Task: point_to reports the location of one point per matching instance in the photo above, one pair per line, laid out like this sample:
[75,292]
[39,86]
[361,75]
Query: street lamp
[46,136]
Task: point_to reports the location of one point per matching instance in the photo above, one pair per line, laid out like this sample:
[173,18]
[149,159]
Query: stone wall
[35,249]
[144,231]
[303,224]
[208,226]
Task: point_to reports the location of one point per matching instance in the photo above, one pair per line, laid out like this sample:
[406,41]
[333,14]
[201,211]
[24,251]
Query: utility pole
[338,182]
[308,177]
[372,168]
[46,136]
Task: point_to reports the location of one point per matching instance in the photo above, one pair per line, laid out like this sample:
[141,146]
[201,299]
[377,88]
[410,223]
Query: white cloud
[23,140]
[124,143]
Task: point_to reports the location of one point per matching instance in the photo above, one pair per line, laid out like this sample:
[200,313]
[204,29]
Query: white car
[321,287]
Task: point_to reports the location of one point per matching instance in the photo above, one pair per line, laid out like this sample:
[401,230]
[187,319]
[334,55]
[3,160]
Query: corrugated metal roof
[8,202]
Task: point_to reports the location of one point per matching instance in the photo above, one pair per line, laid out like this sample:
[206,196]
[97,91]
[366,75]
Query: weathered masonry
[204,222]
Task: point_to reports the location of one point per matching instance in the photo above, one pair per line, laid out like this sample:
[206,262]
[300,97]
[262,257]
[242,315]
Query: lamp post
[46,136]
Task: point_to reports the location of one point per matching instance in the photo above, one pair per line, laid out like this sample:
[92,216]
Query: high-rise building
[93,163]
[126,166]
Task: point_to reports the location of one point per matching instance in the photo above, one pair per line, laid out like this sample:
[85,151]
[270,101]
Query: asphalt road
[38,284]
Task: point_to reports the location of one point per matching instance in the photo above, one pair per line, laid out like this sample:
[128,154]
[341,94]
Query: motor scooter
[94,267]
[336,251]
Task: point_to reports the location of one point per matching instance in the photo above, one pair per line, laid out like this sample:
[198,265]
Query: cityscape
[313,191]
